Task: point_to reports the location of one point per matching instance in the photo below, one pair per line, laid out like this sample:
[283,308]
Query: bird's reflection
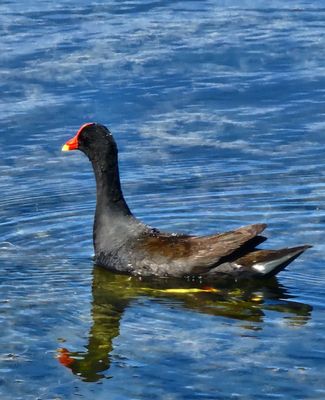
[113,293]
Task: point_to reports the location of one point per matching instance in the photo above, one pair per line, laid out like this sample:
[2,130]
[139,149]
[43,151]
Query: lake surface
[218,111]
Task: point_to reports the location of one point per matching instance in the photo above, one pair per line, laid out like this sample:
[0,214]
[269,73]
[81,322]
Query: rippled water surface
[218,111]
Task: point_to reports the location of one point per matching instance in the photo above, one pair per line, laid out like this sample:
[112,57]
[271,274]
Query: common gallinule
[124,244]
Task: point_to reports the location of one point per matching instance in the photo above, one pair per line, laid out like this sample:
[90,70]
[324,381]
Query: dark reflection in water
[113,293]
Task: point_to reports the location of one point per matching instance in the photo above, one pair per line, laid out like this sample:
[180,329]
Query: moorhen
[126,245]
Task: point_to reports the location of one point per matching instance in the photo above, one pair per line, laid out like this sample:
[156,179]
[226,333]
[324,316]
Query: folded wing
[193,255]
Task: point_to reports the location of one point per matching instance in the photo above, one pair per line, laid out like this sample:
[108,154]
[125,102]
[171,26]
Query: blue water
[218,111]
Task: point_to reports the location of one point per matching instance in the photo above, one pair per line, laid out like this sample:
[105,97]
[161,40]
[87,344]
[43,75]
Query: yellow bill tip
[65,147]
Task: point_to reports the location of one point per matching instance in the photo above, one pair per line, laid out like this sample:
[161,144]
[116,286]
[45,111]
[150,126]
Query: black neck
[113,218]
[110,198]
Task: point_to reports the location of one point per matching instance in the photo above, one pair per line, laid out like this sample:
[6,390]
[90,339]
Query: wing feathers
[208,250]
[197,254]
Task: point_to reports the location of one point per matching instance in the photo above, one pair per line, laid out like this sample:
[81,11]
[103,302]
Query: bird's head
[95,140]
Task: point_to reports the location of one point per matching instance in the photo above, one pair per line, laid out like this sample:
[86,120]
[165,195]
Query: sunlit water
[218,111]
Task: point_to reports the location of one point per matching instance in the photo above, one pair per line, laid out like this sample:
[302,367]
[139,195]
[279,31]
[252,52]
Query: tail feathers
[269,262]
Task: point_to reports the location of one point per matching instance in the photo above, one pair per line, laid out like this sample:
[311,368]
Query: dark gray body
[126,245]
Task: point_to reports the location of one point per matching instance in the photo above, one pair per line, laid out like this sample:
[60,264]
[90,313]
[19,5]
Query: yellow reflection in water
[112,294]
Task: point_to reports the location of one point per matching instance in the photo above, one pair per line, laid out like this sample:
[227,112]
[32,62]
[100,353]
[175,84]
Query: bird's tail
[268,263]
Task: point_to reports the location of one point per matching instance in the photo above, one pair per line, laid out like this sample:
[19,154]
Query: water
[218,111]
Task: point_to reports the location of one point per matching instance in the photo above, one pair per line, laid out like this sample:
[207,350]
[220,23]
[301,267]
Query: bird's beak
[71,144]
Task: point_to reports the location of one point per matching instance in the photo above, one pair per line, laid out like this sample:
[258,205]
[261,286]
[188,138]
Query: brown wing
[194,254]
